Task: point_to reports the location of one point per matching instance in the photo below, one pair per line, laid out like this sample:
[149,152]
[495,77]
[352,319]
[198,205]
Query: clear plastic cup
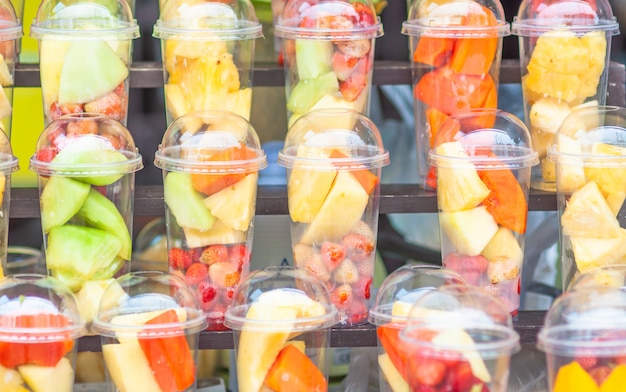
[589,153]
[281,319]
[10,32]
[584,340]
[208,55]
[612,275]
[209,184]
[149,324]
[564,55]
[483,161]
[334,159]
[85,50]
[8,164]
[39,327]
[459,338]
[85,165]
[455,49]
[392,308]
[277,12]
[328,54]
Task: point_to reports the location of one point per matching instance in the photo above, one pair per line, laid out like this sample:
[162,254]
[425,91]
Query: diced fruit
[332,254]
[346,272]
[214,254]
[506,201]
[212,183]
[342,209]
[572,377]
[61,198]
[610,179]
[470,230]
[128,367]
[295,372]
[504,244]
[547,114]
[588,215]
[59,378]
[433,51]
[333,101]
[457,337]
[100,212]
[90,296]
[196,273]
[175,100]
[239,102]
[458,185]
[391,374]
[570,172]
[224,274]
[51,57]
[219,233]
[615,381]
[502,268]
[234,205]
[90,70]
[185,203]
[366,178]
[593,252]
[313,57]
[10,380]
[309,91]
[81,250]
[179,259]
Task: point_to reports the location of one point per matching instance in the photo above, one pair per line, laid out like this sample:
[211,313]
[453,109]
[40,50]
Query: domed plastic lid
[586,321]
[535,17]
[346,138]
[593,136]
[488,138]
[281,299]
[461,318]
[37,308]
[456,19]
[404,286]
[208,20]
[211,142]
[153,302]
[86,145]
[8,162]
[329,19]
[612,275]
[105,19]
[10,25]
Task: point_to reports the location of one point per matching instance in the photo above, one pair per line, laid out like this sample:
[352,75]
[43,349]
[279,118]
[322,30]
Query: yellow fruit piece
[59,378]
[10,379]
[541,141]
[457,337]
[504,244]
[219,233]
[469,231]
[594,252]
[458,185]
[175,101]
[129,367]
[234,205]
[610,178]
[588,215]
[392,376]
[616,381]
[616,201]
[573,378]
[570,173]
[239,102]
[547,114]
[51,59]
[5,75]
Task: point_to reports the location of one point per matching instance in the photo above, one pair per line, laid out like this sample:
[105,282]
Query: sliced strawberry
[239,254]
[196,273]
[600,374]
[343,65]
[214,254]
[224,274]
[363,287]
[179,258]
[462,378]
[109,105]
[357,313]
[587,362]
[366,15]
[46,154]
[207,292]
[358,246]
[342,296]
[332,254]
[359,48]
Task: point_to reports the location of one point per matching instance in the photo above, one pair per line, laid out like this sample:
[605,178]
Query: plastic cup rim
[245,30]
[12,32]
[301,324]
[127,30]
[585,159]
[164,162]
[525,27]
[347,164]
[549,344]
[414,28]
[131,165]
[531,158]
[9,165]
[283,30]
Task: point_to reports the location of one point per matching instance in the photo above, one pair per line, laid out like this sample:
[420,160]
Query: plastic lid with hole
[10,25]
[536,17]
[208,20]
[461,318]
[281,299]
[37,308]
[345,138]
[77,19]
[329,20]
[591,136]
[488,138]
[86,145]
[211,142]
[456,19]
[8,161]
[404,286]
[586,321]
[153,303]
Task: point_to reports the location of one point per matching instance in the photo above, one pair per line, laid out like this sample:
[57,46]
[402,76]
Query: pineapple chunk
[570,171]
[588,215]
[469,231]
[5,75]
[610,178]
[239,102]
[219,233]
[504,244]
[458,185]
[51,59]
[175,101]
[594,252]
[234,205]
[547,114]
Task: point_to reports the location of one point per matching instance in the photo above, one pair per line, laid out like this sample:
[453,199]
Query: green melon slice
[185,203]
[91,69]
[60,200]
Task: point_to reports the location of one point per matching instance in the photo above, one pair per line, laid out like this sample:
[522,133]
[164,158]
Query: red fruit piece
[389,336]
[363,287]
[332,254]
[315,265]
[358,246]
[599,374]
[428,371]
[366,15]
[342,296]
[81,127]
[109,105]
[357,313]
[346,272]
[343,65]
[57,110]
[460,263]
[239,254]
[587,362]
[196,273]
[224,274]
[206,293]
[46,154]
[461,379]
[352,87]
[179,259]
[214,254]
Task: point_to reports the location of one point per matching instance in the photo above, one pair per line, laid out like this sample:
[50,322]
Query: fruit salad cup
[85,165]
[8,164]
[589,153]
[483,161]
[39,326]
[334,159]
[456,47]
[149,324]
[458,338]
[281,319]
[564,55]
[391,310]
[584,340]
[328,54]
[10,32]
[210,163]
[85,49]
[208,55]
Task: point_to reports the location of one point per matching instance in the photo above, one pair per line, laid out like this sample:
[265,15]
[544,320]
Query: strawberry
[461,264]
[599,374]
[363,287]
[46,154]
[587,362]
[179,259]
[430,372]
[57,110]
[301,253]
[358,246]
[351,88]
[196,273]
[239,255]
[461,378]
[109,105]
[224,274]
[363,229]
[317,267]
[360,49]
[214,254]
[343,65]
[82,127]
[342,296]
[206,294]
[365,267]
[332,254]
[346,272]
[366,15]
[357,314]
[195,253]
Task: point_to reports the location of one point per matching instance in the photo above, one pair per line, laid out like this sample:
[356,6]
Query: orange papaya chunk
[213,183]
[366,178]
[293,371]
[433,51]
[506,201]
